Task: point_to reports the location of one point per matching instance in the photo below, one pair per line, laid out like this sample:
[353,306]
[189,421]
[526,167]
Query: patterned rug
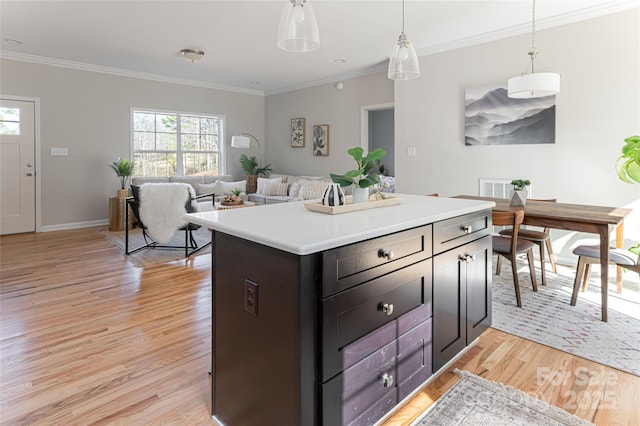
[547,317]
[477,401]
[147,257]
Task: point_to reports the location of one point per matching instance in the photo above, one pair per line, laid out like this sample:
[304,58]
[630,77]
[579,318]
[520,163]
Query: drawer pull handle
[388,254]
[387,380]
[467,258]
[467,229]
[387,308]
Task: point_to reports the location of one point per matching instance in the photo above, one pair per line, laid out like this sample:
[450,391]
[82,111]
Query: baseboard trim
[74,225]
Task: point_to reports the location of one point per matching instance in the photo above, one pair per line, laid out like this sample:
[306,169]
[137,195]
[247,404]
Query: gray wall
[598,106]
[340,109]
[381,133]
[89,113]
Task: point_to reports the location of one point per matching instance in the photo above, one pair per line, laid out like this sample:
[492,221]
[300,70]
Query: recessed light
[192,55]
[12,41]
[339,61]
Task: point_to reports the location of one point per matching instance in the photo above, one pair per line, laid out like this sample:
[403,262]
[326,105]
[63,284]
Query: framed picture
[297,132]
[492,118]
[321,140]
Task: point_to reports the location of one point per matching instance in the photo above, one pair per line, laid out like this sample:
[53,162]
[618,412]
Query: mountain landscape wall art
[492,118]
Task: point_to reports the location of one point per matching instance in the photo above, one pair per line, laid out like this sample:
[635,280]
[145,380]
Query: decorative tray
[350,207]
[231,203]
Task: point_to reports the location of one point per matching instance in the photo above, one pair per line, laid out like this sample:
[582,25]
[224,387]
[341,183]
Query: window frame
[179,152]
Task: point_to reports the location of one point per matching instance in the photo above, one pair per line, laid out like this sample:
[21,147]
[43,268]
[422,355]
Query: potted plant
[364,175]
[124,170]
[253,169]
[519,197]
[628,165]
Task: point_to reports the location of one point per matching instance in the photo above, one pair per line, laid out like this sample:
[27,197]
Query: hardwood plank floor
[86,338]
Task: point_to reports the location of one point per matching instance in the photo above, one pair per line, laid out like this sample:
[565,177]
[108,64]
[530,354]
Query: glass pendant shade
[403,63]
[298,29]
[534,85]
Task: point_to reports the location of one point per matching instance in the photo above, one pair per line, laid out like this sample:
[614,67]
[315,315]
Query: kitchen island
[325,319]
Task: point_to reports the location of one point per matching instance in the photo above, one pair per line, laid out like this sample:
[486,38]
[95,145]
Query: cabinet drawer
[350,395]
[348,266]
[460,230]
[414,358]
[356,312]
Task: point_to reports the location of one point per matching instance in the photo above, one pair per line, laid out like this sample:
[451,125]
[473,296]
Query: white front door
[17,167]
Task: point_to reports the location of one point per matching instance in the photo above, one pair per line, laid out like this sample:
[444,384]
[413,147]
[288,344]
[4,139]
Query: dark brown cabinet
[461,287]
[341,336]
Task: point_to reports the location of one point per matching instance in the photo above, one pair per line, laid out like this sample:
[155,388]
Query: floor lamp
[244,142]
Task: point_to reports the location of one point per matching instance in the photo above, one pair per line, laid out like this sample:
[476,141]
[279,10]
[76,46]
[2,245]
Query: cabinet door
[449,297]
[478,288]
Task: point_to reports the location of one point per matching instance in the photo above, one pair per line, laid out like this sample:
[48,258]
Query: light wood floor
[86,338]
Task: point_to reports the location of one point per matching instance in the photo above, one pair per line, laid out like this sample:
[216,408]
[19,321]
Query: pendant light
[403,63]
[298,29]
[533,85]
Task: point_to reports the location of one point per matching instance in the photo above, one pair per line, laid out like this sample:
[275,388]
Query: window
[9,121]
[177,144]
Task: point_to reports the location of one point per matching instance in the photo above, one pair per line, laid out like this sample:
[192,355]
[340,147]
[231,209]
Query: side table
[116,214]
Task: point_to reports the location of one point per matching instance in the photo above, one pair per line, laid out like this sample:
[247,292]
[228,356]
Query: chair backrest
[135,204]
[510,218]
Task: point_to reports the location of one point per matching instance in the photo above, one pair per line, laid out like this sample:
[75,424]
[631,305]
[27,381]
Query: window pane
[9,121]
[166,142]
[208,125]
[143,121]
[155,164]
[190,143]
[9,128]
[166,123]
[144,141]
[190,124]
[209,143]
[203,164]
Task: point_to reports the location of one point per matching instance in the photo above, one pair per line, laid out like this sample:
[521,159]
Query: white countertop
[293,228]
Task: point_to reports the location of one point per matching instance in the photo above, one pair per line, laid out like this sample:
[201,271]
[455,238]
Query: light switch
[411,151]
[59,152]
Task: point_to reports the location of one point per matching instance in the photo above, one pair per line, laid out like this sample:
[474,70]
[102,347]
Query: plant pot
[333,195]
[252,184]
[123,193]
[360,195]
[518,198]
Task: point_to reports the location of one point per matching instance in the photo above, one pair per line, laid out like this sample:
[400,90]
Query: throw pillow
[312,189]
[294,191]
[226,187]
[263,181]
[202,188]
[280,189]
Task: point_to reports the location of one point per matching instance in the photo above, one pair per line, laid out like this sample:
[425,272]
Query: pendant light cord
[533,52]
[402,16]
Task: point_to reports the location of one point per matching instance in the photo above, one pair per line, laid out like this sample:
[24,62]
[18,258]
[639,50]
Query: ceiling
[238,37]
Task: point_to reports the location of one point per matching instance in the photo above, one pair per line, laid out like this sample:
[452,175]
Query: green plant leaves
[367,172]
[628,164]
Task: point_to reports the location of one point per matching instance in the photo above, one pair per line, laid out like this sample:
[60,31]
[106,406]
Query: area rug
[147,257]
[477,401]
[547,317]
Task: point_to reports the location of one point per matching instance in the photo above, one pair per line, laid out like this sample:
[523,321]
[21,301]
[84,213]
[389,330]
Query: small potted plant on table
[519,197]
[362,177]
[253,169]
[124,170]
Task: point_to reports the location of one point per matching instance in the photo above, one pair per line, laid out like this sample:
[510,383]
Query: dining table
[593,219]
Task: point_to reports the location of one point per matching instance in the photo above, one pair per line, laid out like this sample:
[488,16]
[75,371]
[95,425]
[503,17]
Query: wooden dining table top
[561,215]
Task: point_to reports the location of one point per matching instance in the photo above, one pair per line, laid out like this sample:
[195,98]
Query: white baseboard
[74,225]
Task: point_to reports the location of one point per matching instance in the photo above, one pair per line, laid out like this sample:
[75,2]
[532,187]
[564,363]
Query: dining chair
[542,239]
[590,254]
[510,247]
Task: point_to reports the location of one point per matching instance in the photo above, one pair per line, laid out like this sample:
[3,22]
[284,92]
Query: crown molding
[42,60]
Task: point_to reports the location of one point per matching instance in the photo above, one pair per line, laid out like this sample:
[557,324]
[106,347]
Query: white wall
[324,104]
[89,113]
[598,106]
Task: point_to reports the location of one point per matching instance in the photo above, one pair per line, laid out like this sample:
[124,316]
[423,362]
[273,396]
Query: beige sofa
[282,188]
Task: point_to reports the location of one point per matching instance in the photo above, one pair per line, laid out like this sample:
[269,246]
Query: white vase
[519,198]
[360,195]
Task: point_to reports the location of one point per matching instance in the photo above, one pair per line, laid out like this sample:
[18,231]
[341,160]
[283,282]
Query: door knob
[387,380]
[388,254]
[29,174]
[387,308]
